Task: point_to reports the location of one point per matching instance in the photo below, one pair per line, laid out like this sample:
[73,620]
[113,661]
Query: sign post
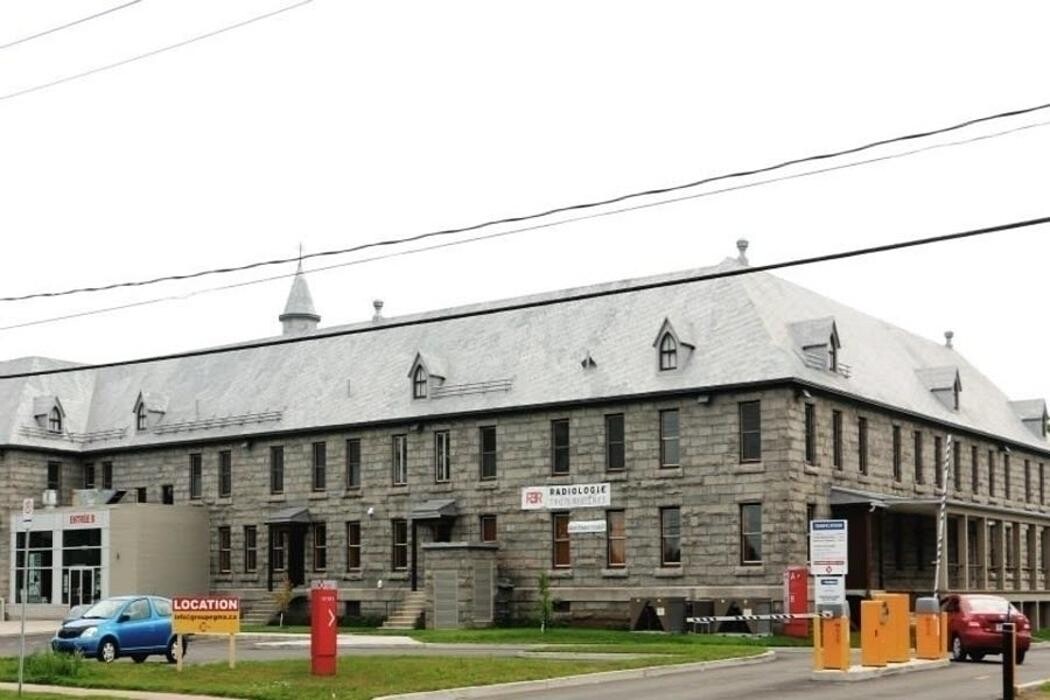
[205,615]
[324,596]
[27,520]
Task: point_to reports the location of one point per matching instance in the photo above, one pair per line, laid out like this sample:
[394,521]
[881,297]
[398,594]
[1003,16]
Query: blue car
[133,626]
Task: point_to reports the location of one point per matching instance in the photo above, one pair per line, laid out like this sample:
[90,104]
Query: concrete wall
[160,550]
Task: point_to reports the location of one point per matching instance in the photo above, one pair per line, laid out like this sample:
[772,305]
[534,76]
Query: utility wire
[154,52]
[523,229]
[553,301]
[67,25]
[527,217]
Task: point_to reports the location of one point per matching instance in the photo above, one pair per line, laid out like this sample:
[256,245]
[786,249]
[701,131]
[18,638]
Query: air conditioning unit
[49,498]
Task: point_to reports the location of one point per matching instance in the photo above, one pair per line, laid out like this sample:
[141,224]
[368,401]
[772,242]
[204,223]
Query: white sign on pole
[579,527]
[829,590]
[27,510]
[828,548]
[566,497]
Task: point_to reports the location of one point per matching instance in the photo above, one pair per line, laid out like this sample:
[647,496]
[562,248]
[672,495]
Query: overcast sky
[340,123]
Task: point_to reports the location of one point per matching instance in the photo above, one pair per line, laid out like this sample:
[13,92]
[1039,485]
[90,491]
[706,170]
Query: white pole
[942,519]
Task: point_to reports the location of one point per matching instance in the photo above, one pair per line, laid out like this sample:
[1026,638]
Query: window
[399,460]
[920,476]
[1042,485]
[862,445]
[957,466]
[750,431]
[487,440]
[1009,537]
[140,417]
[399,555]
[836,438]
[669,438]
[320,466]
[668,352]
[278,547]
[750,534]
[139,610]
[811,434]
[614,443]
[277,469]
[419,383]
[89,475]
[615,539]
[918,527]
[224,549]
[353,545]
[225,474]
[140,494]
[442,456]
[107,475]
[353,463]
[250,549]
[991,473]
[938,457]
[670,536]
[1006,476]
[167,494]
[560,446]
[561,553]
[54,476]
[975,475]
[897,476]
[54,421]
[195,476]
[320,537]
[1027,481]
[833,355]
[488,528]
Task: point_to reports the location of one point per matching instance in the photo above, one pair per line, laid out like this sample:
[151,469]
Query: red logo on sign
[534,497]
[85,519]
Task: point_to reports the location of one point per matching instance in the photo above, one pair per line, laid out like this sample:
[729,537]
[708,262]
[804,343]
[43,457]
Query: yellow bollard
[836,643]
[873,617]
[898,634]
[944,635]
[818,648]
[929,643]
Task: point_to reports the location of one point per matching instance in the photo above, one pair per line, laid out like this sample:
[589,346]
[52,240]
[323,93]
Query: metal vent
[483,591]
[446,599]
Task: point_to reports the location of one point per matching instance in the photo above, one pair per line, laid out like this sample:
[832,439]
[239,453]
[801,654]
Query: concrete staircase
[407,614]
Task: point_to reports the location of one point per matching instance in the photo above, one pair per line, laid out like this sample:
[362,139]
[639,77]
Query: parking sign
[27,510]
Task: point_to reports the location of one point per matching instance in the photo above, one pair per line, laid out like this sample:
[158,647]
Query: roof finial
[948,335]
[741,245]
[378,306]
[300,268]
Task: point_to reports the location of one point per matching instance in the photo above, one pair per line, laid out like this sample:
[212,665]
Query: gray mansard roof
[744,329]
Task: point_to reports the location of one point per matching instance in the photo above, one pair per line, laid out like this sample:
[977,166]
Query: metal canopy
[295,514]
[434,509]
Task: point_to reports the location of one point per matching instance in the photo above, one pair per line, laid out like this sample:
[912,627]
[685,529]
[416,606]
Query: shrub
[545,604]
[47,666]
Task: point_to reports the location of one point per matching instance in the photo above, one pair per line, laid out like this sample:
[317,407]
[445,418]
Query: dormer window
[419,383]
[140,417]
[668,352]
[54,421]
[833,354]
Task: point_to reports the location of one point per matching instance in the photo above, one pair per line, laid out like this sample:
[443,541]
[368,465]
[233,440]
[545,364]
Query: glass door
[83,585]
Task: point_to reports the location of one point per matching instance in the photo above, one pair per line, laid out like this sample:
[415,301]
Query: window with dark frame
[750,415]
[1006,476]
[975,472]
[318,474]
[54,476]
[561,552]
[278,547]
[399,460]
[750,534]
[224,549]
[399,553]
[671,536]
[811,433]
[353,463]
[167,494]
[225,473]
[938,461]
[1027,481]
[669,456]
[487,526]
[442,456]
[276,469]
[140,417]
[353,545]
[89,475]
[320,542]
[668,352]
[140,494]
[419,383]
[54,421]
[833,355]
[251,563]
[957,466]
[487,443]
[836,439]
[615,539]
[615,457]
[991,472]
[897,475]
[1042,485]
[920,476]
[862,444]
[195,476]
[560,446]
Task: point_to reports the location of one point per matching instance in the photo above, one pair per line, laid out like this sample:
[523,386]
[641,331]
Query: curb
[1032,685]
[867,674]
[73,691]
[486,691]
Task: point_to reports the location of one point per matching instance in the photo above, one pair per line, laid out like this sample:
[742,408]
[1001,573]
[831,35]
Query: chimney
[378,306]
[948,335]
[741,245]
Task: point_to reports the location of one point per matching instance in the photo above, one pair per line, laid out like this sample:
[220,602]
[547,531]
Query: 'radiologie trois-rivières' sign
[565,497]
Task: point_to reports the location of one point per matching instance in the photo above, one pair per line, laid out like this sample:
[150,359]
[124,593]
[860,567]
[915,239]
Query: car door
[160,624]
[134,627]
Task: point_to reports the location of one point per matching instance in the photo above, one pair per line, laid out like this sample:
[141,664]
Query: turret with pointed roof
[299,315]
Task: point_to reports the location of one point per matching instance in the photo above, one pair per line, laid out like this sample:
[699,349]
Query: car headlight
[89,632]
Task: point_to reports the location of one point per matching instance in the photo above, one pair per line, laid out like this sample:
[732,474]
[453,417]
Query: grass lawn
[359,677]
[1042,635]
[12,694]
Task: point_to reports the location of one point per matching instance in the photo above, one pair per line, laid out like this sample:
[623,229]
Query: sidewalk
[87,692]
[12,628]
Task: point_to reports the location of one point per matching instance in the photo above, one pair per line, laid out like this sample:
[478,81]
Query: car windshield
[104,609]
[994,606]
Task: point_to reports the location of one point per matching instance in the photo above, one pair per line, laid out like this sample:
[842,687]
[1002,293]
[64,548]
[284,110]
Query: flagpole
[942,518]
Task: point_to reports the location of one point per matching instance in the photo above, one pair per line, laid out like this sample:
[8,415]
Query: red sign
[81,518]
[324,632]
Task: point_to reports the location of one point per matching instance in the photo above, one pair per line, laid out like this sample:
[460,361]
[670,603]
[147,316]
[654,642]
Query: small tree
[282,598]
[545,602]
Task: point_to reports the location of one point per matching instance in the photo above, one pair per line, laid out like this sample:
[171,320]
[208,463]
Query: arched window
[54,421]
[419,383]
[140,417]
[668,352]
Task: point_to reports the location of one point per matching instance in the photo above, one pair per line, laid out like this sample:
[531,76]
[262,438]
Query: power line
[527,217]
[154,52]
[556,301]
[67,25]
[523,229]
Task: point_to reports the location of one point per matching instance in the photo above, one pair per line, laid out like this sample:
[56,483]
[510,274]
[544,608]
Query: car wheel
[958,653]
[108,651]
[170,653]
[1020,656]
[138,658]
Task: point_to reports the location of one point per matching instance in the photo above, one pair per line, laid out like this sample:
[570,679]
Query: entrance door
[84,585]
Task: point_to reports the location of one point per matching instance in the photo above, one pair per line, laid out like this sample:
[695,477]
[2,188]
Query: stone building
[670,441]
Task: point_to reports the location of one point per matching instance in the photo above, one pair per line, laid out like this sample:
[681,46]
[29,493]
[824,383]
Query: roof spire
[299,315]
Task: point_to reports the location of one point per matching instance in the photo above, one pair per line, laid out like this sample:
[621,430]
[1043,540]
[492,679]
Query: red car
[975,625]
